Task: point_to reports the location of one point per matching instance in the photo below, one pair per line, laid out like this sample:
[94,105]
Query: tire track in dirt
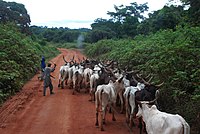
[18,101]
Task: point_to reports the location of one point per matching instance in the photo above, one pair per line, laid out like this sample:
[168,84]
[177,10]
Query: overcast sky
[76,13]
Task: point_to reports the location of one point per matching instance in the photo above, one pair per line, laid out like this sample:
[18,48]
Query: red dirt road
[28,112]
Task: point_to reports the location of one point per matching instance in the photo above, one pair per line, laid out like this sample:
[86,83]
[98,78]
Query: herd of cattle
[107,84]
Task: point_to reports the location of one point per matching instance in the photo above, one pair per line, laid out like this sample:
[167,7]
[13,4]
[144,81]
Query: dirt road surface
[29,112]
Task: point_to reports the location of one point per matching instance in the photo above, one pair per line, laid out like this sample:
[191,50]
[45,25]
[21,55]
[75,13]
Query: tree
[107,27]
[193,11]
[134,10]
[15,12]
[166,18]
[128,17]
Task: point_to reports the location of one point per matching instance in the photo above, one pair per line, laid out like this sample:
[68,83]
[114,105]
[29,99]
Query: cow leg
[90,97]
[127,116]
[71,84]
[131,116]
[102,119]
[66,82]
[144,130]
[62,84]
[59,83]
[128,119]
[113,114]
[74,88]
[93,97]
[104,115]
[131,121]
[122,103]
[140,124]
[97,115]
[127,110]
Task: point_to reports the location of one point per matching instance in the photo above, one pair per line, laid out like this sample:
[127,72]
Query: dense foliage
[20,59]
[16,13]
[58,35]
[171,57]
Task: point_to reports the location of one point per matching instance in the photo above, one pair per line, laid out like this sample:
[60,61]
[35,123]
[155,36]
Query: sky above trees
[76,13]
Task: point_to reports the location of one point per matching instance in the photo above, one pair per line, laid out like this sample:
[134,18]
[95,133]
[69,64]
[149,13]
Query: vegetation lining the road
[20,57]
[171,57]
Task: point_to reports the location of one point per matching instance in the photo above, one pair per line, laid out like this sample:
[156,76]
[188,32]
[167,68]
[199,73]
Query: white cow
[93,80]
[129,96]
[158,122]
[77,78]
[118,74]
[86,77]
[106,96]
[63,75]
[70,71]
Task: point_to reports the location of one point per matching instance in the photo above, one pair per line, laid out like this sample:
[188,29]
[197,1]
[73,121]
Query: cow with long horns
[149,93]
[106,95]
[64,72]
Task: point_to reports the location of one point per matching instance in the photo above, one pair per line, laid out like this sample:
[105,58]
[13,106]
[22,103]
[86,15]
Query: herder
[47,78]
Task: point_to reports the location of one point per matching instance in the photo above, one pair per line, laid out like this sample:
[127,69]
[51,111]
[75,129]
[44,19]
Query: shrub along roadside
[20,59]
[172,57]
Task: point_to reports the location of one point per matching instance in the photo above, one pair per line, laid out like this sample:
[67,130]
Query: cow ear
[153,107]
[110,81]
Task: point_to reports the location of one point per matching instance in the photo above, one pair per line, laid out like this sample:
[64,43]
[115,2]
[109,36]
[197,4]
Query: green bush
[171,57]
[20,59]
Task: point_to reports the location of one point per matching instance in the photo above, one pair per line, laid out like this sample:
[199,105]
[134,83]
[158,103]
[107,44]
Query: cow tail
[62,76]
[101,98]
[186,127]
[128,97]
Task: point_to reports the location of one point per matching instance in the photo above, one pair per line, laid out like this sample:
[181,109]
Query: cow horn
[134,79]
[130,72]
[64,59]
[148,76]
[139,102]
[159,85]
[145,82]
[150,79]
[72,60]
[153,101]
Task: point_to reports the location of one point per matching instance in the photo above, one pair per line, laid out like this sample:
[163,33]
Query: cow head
[143,105]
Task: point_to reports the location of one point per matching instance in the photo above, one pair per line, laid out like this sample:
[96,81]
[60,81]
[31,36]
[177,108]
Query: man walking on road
[43,65]
[47,78]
